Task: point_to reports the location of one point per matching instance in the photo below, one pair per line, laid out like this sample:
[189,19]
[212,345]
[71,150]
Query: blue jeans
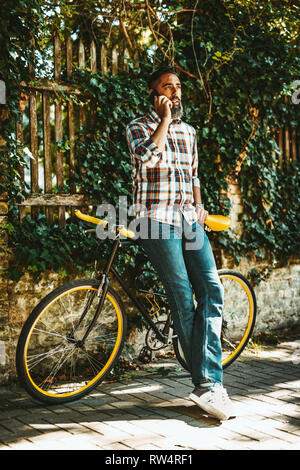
[185,264]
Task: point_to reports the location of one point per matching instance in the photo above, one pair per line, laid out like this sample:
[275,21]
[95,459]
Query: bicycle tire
[238,347]
[73,370]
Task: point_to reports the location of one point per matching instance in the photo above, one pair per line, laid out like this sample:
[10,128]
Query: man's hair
[153,79]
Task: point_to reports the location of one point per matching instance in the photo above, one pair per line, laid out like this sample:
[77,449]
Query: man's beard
[177,110]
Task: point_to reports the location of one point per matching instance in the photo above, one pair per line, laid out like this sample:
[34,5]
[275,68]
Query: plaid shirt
[163,181]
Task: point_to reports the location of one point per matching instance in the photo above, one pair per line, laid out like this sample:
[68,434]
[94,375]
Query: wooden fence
[50,167]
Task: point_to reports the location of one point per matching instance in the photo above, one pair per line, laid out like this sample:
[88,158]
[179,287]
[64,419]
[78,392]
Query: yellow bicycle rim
[250,318]
[102,371]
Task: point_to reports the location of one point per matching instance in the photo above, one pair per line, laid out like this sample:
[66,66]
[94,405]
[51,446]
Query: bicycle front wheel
[238,318]
[55,364]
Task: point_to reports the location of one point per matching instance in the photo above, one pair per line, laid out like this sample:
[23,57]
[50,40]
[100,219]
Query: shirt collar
[155,117]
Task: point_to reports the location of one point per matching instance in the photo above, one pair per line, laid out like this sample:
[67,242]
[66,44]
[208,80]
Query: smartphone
[152,95]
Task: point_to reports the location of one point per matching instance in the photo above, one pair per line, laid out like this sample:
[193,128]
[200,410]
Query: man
[167,197]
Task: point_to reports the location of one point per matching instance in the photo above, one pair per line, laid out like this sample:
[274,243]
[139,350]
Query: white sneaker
[214,400]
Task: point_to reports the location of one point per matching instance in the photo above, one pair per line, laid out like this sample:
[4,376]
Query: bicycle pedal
[145,355]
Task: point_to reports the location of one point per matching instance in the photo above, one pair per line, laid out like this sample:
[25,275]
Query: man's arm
[141,144]
[160,135]
[162,107]
[197,195]
[148,148]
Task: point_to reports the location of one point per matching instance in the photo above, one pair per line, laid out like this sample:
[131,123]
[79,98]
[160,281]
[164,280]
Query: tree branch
[160,47]
[126,34]
[243,153]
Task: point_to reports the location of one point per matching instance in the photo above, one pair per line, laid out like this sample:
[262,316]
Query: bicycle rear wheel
[54,365]
[238,318]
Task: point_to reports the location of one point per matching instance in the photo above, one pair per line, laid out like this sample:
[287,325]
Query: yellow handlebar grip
[217,223]
[88,218]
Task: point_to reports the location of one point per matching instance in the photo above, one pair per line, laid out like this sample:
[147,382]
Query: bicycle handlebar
[217,223]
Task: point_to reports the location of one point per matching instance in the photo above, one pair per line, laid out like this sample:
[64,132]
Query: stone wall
[5,329]
[278,297]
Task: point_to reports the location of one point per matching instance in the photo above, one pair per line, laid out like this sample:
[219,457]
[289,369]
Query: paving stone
[82,442]
[147,446]
[118,446]
[168,411]
[154,412]
[22,444]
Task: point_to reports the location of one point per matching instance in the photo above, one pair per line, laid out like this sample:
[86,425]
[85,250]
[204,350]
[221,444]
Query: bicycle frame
[214,222]
[103,289]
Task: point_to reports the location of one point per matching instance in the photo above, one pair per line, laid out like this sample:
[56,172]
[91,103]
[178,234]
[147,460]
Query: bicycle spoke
[51,333]
[101,339]
[229,343]
[94,362]
[34,360]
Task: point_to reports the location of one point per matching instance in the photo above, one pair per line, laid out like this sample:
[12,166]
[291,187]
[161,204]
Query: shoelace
[224,395]
[222,391]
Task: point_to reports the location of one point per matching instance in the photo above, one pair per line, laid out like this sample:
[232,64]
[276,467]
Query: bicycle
[74,336]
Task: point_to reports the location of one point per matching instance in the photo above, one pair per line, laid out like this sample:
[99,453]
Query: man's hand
[163,107]
[201,215]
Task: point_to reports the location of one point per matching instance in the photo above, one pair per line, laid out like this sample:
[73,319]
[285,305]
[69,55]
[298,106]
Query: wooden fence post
[58,128]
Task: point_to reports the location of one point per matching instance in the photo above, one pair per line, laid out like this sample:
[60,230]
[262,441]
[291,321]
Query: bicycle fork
[101,292]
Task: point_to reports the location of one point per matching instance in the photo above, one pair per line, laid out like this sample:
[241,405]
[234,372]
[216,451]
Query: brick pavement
[152,412]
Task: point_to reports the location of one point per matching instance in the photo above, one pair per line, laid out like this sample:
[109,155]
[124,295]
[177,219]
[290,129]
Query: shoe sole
[209,409]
